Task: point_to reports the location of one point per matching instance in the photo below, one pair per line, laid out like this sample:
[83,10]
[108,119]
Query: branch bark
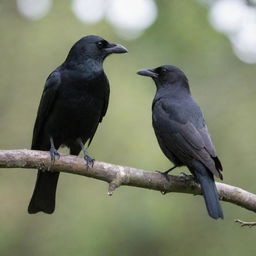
[117,175]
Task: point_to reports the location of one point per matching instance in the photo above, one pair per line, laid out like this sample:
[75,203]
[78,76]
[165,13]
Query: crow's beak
[115,48]
[147,72]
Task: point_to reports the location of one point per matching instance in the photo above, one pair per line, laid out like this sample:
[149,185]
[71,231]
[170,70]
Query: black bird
[182,133]
[73,103]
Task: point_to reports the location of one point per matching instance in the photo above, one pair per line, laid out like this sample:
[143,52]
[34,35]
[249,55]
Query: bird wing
[46,104]
[186,134]
[104,106]
[106,100]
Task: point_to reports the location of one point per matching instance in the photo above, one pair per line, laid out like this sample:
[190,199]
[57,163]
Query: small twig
[116,182]
[113,185]
[245,223]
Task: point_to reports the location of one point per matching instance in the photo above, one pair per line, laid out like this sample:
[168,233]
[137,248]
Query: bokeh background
[212,41]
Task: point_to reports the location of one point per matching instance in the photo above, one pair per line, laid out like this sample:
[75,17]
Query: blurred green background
[133,221]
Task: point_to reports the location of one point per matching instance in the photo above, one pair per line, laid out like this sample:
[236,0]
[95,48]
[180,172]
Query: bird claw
[165,175]
[89,161]
[54,154]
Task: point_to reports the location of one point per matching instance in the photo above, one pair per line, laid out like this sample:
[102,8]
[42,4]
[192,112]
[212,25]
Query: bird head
[94,47]
[165,75]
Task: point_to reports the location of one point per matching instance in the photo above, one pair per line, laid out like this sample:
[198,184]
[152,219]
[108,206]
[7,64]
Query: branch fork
[121,178]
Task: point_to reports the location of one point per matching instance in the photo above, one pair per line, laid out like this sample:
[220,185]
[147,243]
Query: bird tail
[43,198]
[209,190]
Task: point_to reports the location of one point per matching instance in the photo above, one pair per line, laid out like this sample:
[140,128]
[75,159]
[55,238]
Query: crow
[182,133]
[74,102]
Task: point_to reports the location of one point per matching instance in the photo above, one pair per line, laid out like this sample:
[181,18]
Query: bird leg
[53,153]
[165,174]
[89,161]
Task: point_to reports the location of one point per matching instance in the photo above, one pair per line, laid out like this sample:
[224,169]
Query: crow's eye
[101,44]
[164,70]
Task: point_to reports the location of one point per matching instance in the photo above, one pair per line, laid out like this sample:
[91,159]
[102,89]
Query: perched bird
[182,133]
[73,103]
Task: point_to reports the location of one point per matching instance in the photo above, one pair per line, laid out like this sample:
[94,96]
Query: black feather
[182,133]
[74,101]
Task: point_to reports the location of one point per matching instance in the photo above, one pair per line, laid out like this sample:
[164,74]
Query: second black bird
[182,133]
[74,101]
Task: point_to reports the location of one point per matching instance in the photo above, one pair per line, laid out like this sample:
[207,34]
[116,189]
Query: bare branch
[117,175]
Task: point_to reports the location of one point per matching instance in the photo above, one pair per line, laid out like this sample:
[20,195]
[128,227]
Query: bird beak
[147,72]
[115,48]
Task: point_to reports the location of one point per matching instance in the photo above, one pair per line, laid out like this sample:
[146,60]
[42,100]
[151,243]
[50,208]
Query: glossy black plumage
[74,101]
[182,133]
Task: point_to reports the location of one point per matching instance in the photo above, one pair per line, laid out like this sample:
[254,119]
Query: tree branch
[117,175]
[245,223]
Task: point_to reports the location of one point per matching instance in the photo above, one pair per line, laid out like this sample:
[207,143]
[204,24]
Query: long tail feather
[209,190]
[43,198]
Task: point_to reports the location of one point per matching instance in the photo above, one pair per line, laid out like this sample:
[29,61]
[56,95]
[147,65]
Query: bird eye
[164,70]
[101,44]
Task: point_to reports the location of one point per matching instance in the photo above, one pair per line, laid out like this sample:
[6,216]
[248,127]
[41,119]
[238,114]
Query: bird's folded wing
[46,104]
[184,139]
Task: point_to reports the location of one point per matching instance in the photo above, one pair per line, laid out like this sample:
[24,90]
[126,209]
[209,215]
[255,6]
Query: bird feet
[89,161]
[165,175]
[54,154]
